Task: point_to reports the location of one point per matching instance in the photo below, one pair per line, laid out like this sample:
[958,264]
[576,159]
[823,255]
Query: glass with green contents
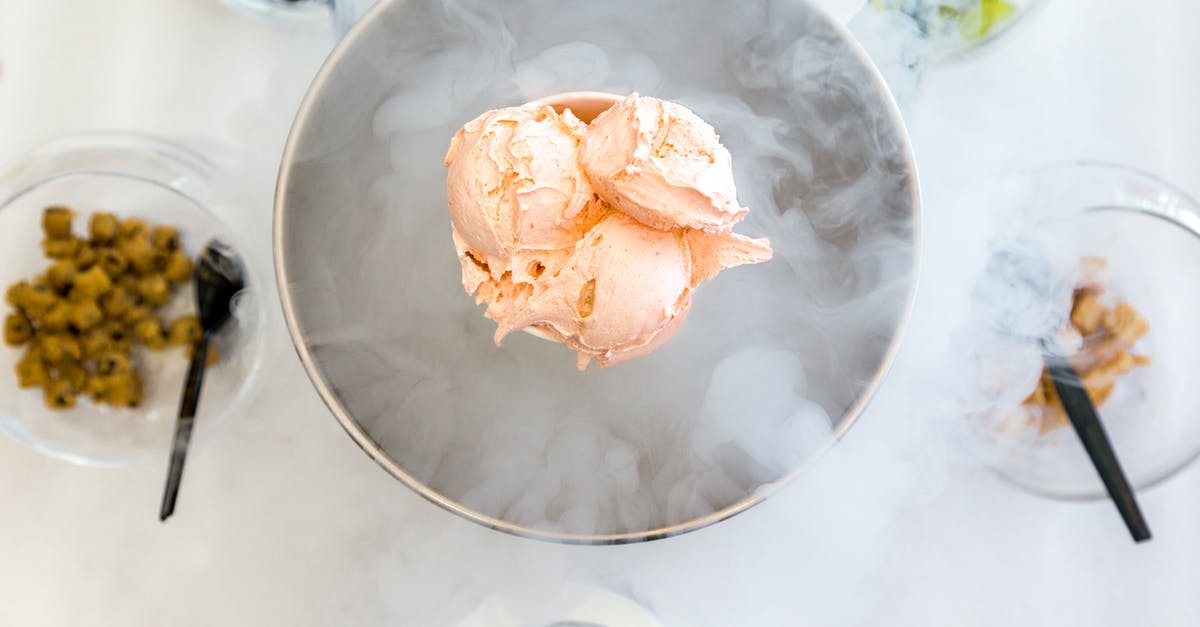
[97,234]
[955,27]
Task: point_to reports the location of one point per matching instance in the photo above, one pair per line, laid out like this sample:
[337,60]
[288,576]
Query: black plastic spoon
[218,276]
[1028,300]
[1082,413]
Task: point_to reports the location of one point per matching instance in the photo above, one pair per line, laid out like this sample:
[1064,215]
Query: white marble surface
[283,521]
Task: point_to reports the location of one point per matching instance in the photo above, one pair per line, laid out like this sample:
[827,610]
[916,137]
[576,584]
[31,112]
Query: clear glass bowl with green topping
[956,27]
[162,183]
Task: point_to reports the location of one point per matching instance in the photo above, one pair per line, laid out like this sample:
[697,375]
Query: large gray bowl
[775,362]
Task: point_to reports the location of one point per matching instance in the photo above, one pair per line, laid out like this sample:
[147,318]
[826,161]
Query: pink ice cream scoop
[514,185]
[552,246]
[620,292]
[660,163]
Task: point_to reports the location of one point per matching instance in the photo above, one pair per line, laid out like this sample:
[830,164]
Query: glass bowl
[343,12]
[564,605]
[282,8]
[775,362]
[132,176]
[1149,232]
[954,29]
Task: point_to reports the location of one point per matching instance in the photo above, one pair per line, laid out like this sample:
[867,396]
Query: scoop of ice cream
[514,184]
[623,286]
[603,260]
[661,164]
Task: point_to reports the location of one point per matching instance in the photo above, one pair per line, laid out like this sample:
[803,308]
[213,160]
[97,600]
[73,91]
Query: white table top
[283,521]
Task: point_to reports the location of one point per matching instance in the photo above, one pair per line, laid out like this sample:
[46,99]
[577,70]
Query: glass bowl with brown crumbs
[1103,334]
[1121,248]
[97,239]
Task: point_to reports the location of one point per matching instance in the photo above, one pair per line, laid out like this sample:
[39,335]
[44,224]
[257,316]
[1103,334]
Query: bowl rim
[20,176]
[376,453]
